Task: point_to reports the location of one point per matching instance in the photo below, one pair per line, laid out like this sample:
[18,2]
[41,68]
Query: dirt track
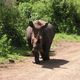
[65,65]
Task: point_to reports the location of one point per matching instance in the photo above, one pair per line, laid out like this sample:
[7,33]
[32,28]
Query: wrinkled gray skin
[40,40]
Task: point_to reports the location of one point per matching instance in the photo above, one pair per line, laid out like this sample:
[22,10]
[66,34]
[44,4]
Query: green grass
[14,57]
[2,59]
[17,55]
[66,37]
[61,37]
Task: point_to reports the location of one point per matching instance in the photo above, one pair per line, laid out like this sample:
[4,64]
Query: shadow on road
[53,63]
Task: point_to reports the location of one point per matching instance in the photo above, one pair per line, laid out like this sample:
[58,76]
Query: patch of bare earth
[65,65]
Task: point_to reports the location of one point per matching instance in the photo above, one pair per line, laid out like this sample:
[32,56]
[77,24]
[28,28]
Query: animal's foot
[36,62]
[46,59]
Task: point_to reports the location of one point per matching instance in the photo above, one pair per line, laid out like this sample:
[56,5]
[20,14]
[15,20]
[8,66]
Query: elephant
[40,35]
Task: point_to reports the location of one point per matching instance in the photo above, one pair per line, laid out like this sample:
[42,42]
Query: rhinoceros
[40,35]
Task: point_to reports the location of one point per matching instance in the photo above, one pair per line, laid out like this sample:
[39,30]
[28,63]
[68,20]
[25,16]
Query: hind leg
[42,54]
[46,49]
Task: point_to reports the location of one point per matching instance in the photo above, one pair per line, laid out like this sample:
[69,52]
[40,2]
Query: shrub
[25,10]
[4,46]
[41,10]
[10,26]
[65,16]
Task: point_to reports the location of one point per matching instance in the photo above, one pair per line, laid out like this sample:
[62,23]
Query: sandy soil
[65,65]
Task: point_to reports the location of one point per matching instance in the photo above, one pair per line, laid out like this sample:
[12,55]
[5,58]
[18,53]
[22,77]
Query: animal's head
[37,34]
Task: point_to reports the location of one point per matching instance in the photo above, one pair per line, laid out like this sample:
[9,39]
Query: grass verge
[65,37]
[17,55]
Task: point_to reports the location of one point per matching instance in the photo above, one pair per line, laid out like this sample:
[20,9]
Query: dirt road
[65,65]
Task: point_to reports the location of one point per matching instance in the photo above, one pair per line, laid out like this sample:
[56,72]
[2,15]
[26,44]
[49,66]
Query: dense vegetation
[64,14]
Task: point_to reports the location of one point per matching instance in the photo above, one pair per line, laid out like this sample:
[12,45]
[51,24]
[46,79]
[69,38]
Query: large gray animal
[40,35]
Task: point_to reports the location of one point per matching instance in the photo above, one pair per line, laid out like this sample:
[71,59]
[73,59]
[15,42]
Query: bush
[25,10]
[4,46]
[65,16]
[41,10]
[10,26]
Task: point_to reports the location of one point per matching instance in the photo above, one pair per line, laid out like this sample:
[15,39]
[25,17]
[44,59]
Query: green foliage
[65,16]
[65,37]
[12,31]
[8,52]
[25,10]
[37,9]
[41,10]
[18,1]
[4,46]
[10,26]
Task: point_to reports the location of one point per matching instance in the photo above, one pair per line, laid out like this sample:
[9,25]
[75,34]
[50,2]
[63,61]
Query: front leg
[36,57]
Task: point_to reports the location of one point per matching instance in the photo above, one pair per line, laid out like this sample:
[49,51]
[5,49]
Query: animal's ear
[31,24]
[45,26]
